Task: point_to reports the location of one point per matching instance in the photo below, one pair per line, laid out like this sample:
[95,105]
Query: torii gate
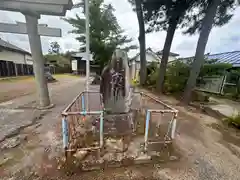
[32,9]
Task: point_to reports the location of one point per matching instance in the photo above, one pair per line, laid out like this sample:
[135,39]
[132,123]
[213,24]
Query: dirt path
[32,128]
[208,149]
[16,87]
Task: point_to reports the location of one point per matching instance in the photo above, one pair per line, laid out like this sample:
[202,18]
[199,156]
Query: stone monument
[115,84]
[117,97]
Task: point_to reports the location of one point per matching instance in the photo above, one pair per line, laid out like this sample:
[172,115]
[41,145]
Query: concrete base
[46,107]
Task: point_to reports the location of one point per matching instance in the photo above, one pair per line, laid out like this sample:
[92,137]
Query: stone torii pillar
[38,65]
[34,31]
[32,9]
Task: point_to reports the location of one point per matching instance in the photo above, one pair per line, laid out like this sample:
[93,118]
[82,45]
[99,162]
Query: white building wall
[170,58]
[15,57]
[149,58]
[28,59]
[74,65]
[135,65]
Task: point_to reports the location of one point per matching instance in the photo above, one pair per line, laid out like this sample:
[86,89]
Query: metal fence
[158,123]
[84,106]
[212,84]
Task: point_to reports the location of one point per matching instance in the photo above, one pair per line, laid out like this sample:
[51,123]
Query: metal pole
[101,130]
[65,134]
[38,62]
[87,49]
[148,116]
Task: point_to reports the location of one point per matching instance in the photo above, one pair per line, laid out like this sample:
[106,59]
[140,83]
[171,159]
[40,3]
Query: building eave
[15,50]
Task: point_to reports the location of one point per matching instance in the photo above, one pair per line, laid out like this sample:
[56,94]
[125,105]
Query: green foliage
[60,61]
[234,120]
[54,48]
[105,33]
[134,82]
[176,77]
[159,14]
[152,74]
[232,89]
[178,72]
[190,13]
[194,19]
[211,68]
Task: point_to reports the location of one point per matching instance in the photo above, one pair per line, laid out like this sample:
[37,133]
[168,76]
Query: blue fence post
[65,132]
[146,130]
[83,103]
[101,129]
[174,124]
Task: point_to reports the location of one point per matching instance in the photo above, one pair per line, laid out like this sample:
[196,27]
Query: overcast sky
[226,38]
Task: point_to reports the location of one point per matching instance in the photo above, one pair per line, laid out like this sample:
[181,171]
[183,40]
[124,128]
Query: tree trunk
[238,86]
[201,45]
[166,50]
[142,43]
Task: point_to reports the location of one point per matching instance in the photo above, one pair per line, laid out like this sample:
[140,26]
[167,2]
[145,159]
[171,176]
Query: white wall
[170,58]
[74,65]
[28,59]
[149,58]
[16,57]
[135,65]
[12,56]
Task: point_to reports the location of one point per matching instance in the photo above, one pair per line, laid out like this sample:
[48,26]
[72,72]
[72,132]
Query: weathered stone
[113,156]
[173,158]
[114,144]
[200,96]
[11,143]
[4,161]
[127,161]
[142,159]
[80,155]
[115,84]
[23,137]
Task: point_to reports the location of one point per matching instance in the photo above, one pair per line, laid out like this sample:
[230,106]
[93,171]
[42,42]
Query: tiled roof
[12,47]
[227,57]
[157,55]
[170,53]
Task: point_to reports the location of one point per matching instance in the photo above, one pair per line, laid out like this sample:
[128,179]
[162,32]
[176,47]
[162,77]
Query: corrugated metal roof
[227,57]
[12,47]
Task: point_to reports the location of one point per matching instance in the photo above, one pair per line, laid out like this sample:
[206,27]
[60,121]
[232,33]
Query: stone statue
[115,84]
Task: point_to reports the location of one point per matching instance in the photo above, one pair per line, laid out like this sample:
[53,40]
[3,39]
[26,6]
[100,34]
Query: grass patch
[65,75]
[16,79]
[234,120]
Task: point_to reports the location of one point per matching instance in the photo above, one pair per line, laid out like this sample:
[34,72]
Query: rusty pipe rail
[80,99]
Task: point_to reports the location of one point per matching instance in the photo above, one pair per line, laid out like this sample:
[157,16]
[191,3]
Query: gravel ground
[16,87]
[208,149]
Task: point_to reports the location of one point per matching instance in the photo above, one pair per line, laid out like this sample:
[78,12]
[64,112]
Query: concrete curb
[209,111]
[46,107]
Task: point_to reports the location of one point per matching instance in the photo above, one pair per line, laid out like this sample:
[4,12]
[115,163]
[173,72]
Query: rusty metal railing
[90,104]
[75,113]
